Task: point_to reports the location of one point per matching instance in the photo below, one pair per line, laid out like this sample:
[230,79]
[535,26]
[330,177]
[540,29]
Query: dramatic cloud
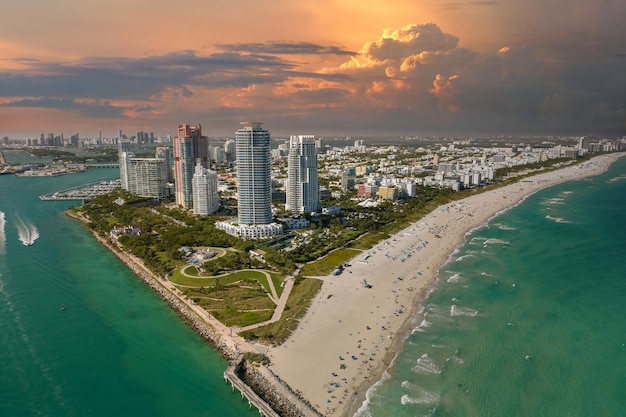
[422,78]
[285,48]
[413,79]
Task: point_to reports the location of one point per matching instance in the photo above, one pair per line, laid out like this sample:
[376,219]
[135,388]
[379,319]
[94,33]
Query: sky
[324,67]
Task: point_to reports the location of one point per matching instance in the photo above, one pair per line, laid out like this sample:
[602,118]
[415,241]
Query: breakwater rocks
[275,392]
[202,328]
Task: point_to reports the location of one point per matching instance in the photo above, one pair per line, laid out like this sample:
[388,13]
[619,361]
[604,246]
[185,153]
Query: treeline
[164,231]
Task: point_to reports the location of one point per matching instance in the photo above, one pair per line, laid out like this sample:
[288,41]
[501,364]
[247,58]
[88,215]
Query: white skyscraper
[303,189]
[204,191]
[253,174]
[124,155]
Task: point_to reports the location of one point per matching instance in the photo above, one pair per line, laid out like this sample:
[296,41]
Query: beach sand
[351,333]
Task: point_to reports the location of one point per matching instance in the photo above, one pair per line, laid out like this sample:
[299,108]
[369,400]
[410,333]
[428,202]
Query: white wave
[460,258]
[3,236]
[484,274]
[505,227]
[409,385]
[436,312]
[426,365]
[425,398]
[463,311]
[454,278]
[557,219]
[494,241]
[27,232]
[618,178]
[363,410]
[422,326]
[554,200]
[456,359]
[477,240]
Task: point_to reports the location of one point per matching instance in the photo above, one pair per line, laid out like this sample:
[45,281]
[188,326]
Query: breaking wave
[557,219]
[494,241]
[426,398]
[463,311]
[504,227]
[426,365]
[454,278]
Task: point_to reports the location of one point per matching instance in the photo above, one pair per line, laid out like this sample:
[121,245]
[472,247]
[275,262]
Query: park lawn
[241,303]
[178,278]
[328,263]
[277,279]
[368,240]
[299,301]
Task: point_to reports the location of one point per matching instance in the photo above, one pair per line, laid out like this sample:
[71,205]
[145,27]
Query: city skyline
[399,67]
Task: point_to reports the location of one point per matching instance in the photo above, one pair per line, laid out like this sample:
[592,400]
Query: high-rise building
[147,177]
[303,188]
[205,196]
[229,150]
[348,179]
[165,152]
[124,154]
[189,146]
[253,174]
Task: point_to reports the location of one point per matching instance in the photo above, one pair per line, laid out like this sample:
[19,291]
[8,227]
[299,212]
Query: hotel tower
[189,147]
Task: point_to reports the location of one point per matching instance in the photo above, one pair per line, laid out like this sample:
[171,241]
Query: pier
[246,392]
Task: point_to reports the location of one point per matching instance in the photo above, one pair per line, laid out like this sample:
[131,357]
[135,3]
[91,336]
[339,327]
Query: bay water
[115,349]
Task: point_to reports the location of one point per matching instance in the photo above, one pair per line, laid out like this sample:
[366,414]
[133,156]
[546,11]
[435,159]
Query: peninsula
[357,323]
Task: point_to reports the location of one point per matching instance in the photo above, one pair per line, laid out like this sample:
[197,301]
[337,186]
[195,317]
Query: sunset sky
[324,67]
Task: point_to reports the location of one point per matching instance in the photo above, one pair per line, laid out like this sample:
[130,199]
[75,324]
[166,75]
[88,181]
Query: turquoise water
[116,349]
[528,318]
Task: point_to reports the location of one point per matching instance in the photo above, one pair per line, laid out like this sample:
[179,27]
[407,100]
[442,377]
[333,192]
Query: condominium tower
[124,153]
[205,195]
[189,146]
[252,145]
[303,189]
[147,177]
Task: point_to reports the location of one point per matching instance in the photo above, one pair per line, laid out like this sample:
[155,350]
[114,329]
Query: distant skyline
[332,67]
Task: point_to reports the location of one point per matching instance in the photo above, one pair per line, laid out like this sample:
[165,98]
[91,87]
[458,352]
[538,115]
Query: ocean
[527,318]
[116,349]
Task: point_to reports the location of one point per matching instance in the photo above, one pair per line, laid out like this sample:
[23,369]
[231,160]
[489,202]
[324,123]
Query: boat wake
[26,232]
[3,236]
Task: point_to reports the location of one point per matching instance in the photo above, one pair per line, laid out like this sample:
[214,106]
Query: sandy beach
[357,323]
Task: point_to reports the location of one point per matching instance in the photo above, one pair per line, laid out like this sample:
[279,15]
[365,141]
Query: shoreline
[231,346]
[200,323]
[351,335]
[341,327]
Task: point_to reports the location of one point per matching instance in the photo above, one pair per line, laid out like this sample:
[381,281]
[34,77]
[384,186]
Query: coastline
[203,323]
[348,324]
[351,334]
[273,390]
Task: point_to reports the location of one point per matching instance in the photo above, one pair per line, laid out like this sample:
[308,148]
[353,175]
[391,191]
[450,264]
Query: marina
[84,192]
